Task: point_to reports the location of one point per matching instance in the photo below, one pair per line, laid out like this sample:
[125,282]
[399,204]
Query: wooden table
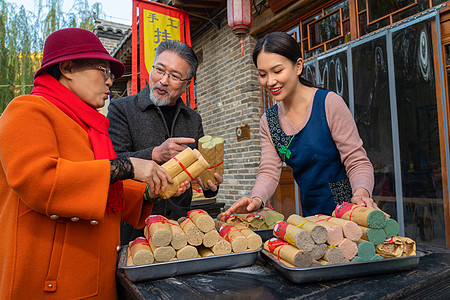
[431,279]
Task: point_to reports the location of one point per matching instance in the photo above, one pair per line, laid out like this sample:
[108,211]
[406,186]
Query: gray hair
[183,51]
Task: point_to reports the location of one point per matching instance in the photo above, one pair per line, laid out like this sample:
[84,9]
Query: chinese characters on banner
[157,23]
[158,28]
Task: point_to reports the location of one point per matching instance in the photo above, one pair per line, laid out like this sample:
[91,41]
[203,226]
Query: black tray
[265,234]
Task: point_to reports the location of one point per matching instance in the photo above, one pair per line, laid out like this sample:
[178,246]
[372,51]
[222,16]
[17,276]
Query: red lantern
[239,13]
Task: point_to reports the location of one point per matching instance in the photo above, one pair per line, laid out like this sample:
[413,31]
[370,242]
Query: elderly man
[155,124]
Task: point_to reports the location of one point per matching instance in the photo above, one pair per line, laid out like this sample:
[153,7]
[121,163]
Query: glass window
[380,9]
[295,33]
[405,13]
[447,55]
[308,53]
[343,5]
[437,2]
[362,18]
[335,43]
[361,5]
[381,13]
[373,117]
[309,73]
[308,21]
[378,25]
[419,134]
[333,74]
[325,29]
[346,30]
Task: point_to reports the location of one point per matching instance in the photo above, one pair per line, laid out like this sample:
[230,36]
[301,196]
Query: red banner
[157,23]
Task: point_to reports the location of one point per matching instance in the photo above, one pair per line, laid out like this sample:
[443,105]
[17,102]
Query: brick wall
[228,95]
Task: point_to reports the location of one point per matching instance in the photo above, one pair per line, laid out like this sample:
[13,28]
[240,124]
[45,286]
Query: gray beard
[158,101]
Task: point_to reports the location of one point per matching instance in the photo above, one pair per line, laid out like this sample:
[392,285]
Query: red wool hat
[76,43]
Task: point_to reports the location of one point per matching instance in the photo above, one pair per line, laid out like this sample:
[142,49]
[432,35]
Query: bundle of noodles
[212,151]
[283,251]
[185,166]
[294,235]
[158,228]
[254,241]
[350,229]
[361,215]
[223,219]
[265,219]
[318,233]
[366,252]
[235,237]
[140,252]
[270,217]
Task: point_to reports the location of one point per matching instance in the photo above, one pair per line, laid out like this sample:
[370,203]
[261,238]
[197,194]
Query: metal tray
[322,273]
[187,266]
[265,234]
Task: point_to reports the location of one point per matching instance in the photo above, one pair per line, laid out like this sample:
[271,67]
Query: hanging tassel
[242,46]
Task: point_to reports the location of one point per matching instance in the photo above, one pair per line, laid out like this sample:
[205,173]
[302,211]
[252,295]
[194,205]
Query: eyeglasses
[174,77]
[106,71]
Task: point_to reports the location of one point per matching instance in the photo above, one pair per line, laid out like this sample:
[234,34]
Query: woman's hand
[244,205]
[211,185]
[361,197]
[151,173]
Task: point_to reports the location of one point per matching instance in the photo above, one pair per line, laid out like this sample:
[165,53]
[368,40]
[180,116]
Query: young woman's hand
[244,205]
[361,197]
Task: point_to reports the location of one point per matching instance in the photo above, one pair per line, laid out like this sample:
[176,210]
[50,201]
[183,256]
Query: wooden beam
[199,4]
[175,2]
[199,11]
[276,5]
[353,19]
[268,21]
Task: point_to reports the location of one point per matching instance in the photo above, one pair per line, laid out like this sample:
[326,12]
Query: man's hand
[170,148]
[211,186]
[182,188]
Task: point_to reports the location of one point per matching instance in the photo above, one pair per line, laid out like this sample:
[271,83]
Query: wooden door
[445,48]
[283,199]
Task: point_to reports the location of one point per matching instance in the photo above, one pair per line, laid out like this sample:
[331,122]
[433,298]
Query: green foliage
[22,37]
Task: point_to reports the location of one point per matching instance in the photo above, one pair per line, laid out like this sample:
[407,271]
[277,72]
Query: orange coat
[49,176]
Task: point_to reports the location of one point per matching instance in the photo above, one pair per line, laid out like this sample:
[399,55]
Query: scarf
[93,122]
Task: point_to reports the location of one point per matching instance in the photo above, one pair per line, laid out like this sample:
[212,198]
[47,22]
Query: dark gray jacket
[137,126]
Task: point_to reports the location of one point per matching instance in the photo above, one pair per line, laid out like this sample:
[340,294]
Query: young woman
[309,129]
[61,189]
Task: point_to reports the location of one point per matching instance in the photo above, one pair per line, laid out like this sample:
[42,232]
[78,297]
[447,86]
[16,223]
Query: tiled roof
[110,33]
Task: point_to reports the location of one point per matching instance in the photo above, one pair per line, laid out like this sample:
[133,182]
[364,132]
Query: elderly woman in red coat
[63,190]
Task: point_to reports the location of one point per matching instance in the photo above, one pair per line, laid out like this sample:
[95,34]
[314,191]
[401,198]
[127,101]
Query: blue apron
[312,155]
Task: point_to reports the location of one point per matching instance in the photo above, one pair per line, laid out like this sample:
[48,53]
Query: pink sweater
[345,135]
